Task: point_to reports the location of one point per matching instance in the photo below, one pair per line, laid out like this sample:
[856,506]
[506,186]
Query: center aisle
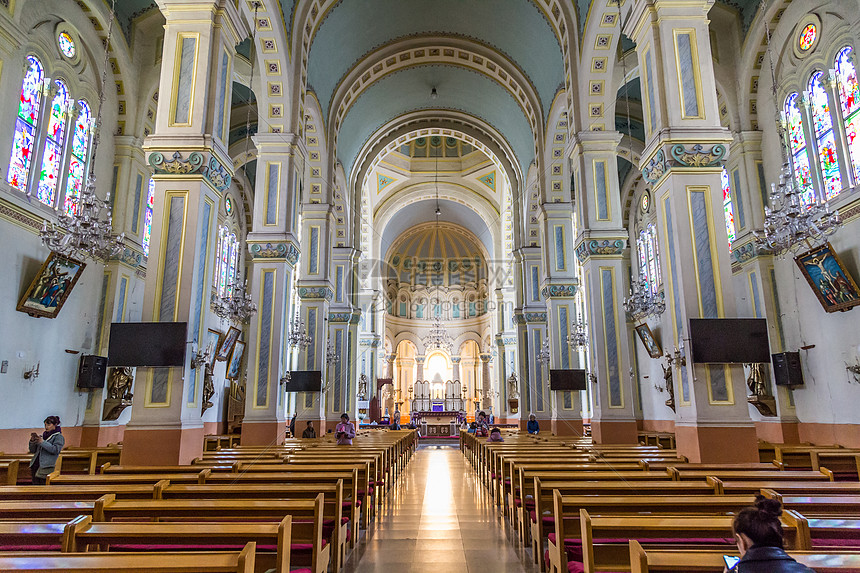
[438,518]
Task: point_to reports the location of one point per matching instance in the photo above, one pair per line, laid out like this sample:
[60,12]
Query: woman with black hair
[46,449]
[758,533]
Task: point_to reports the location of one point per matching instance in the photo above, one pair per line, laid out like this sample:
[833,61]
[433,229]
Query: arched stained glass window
[728,209]
[227,262]
[823,127]
[54,140]
[78,157]
[234,260]
[849,97]
[25,125]
[643,254]
[649,267]
[799,155]
[147,217]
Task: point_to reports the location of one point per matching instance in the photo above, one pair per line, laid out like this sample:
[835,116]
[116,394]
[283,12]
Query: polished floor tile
[438,518]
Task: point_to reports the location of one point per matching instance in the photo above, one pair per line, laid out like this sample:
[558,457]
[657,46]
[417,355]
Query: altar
[437,408]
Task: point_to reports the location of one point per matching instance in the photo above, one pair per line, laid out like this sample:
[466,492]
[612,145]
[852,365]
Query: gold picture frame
[50,288]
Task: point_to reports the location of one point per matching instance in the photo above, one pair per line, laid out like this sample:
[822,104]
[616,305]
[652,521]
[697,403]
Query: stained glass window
[54,141]
[797,143]
[849,97]
[25,125]
[807,37]
[649,267]
[67,45]
[147,217]
[823,126]
[78,157]
[227,262]
[728,209]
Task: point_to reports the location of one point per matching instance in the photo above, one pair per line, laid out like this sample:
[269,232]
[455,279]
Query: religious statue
[208,386]
[118,393]
[362,387]
[513,387]
[670,385]
[758,396]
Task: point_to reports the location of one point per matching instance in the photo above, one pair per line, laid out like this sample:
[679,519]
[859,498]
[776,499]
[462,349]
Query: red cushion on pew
[817,543]
[572,567]
[304,547]
[344,520]
[547,519]
[301,571]
[30,548]
[518,502]
[493,475]
[163,547]
[507,482]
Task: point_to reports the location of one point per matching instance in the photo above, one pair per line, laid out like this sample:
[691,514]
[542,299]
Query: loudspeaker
[92,371]
[786,369]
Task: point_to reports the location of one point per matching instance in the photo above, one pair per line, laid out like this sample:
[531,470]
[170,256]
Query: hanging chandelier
[438,338]
[237,305]
[544,355]
[643,301]
[790,223]
[87,232]
[331,355]
[578,337]
[298,335]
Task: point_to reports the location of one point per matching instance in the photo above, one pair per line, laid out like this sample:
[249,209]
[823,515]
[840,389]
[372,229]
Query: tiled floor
[438,518]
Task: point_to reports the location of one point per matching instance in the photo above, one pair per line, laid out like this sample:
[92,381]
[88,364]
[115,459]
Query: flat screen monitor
[305,381]
[572,379]
[729,340]
[152,344]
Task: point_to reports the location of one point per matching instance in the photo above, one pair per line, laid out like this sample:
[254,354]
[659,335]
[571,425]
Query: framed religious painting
[227,342]
[648,340]
[829,279]
[213,338]
[234,364]
[51,286]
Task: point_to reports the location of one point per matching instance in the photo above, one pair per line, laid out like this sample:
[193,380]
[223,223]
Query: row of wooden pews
[578,506]
[15,468]
[299,505]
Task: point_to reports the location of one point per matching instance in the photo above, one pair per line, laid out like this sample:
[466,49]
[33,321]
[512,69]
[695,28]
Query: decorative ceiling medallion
[645,202]
[489,180]
[807,37]
[382,182]
[228,205]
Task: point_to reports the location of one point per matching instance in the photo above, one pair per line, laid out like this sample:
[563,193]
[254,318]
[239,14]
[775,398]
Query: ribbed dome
[428,243]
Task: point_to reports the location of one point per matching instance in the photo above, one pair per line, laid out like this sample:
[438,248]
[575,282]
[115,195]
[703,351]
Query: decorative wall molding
[600,247]
[696,156]
[315,293]
[560,290]
[20,217]
[212,170]
[656,167]
[506,340]
[129,257]
[268,250]
[529,317]
[344,317]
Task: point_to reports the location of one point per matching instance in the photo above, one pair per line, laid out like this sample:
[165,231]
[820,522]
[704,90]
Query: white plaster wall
[26,341]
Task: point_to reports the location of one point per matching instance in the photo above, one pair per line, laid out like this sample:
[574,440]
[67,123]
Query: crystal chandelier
[87,232]
[643,301]
[578,337]
[236,305]
[438,337]
[331,355]
[790,223]
[544,355]
[298,333]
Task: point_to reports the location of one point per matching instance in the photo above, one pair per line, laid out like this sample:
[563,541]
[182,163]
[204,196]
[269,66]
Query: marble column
[486,381]
[601,245]
[273,251]
[682,160]
[419,361]
[455,372]
[192,169]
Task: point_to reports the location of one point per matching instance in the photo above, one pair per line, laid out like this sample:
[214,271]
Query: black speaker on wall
[92,371]
[786,369]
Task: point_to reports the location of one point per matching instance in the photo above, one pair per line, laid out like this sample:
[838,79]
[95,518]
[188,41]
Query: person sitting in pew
[46,449]
[345,431]
[759,536]
[496,436]
[533,427]
[309,431]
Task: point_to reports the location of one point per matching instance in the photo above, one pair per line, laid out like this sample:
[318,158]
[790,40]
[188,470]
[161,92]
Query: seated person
[496,436]
[309,431]
[533,427]
[473,428]
[758,533]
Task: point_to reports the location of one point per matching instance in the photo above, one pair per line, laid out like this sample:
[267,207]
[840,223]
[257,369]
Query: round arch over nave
[433,207]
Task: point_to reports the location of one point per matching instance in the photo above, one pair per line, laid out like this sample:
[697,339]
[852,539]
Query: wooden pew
[730,475]
[174,562]
[818,505]
[32,535]
[662,560]
[784,487]
[78,492]
[9,472]
[83,534]
[613,556]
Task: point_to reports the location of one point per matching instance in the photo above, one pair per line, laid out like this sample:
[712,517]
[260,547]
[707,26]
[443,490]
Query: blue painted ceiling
[458,89]
[515,27]
[127,10]
[746,9]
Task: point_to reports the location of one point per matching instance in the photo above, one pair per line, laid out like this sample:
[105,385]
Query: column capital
[706,151]
[287,142]
[419,359]
[282,248]
[185,11]
[485,357]
[600,246]
[556,289]
[455,359]
[595,142]
[178,163]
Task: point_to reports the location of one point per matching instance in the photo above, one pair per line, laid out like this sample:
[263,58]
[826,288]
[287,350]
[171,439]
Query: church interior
[296,258]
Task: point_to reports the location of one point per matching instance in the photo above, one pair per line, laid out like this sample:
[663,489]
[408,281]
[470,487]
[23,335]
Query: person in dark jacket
[533,427]
[758,533]
[46,449]
[309,431]
[293,426]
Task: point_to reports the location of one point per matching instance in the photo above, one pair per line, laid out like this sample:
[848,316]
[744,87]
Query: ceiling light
[433,94]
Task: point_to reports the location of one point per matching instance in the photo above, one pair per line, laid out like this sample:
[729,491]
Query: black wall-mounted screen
[729,340]
[152,344]
[305,381]
[573,379]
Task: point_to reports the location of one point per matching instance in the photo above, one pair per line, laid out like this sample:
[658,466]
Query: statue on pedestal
[119,393]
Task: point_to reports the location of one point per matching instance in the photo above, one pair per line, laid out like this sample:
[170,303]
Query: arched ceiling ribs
[309,16]
[466,53]
[445,123]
